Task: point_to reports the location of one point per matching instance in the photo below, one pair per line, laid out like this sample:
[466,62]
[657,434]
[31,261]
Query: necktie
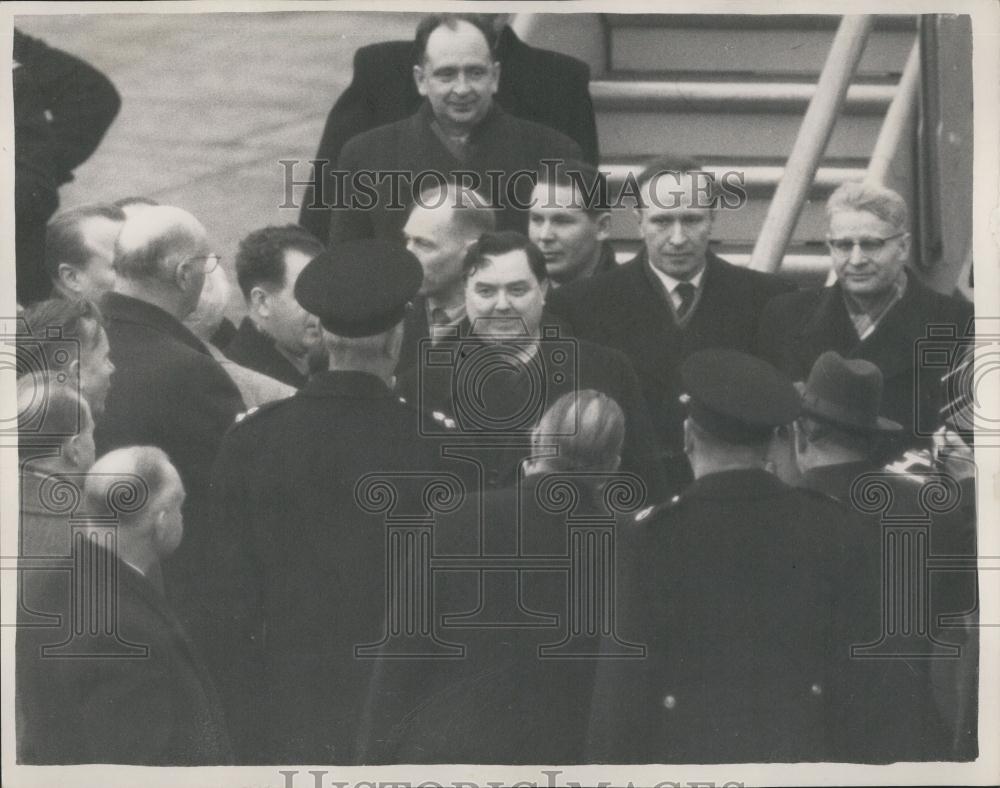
[685,290]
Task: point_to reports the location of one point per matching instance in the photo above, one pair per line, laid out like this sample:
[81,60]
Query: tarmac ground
[211,103]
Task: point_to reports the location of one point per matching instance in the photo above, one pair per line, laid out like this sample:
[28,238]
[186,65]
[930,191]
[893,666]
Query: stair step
[704,133]
[735,95]
[740,225]
[736,43]
[758,178]
[805,268]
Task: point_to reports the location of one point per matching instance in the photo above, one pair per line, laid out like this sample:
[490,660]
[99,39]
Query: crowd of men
[238,490]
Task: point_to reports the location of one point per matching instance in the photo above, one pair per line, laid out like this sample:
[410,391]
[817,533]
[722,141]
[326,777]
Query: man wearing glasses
[169,392]
[877,310]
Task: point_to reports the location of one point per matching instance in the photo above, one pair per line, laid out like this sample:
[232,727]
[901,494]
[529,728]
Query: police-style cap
[359,288]
[737,397]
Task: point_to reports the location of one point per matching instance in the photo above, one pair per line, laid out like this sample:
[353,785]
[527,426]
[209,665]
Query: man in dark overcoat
[535,84]
[878,310]
[925,708]
[168,391]
[458,128]
[509,361]
[674,298]
[301,562]
[521,694]
[740,588]
[141,694]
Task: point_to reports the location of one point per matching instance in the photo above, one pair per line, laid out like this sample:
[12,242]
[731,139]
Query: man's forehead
[429,219]
[556,197]
[461,46]
[504,268]
[677,191]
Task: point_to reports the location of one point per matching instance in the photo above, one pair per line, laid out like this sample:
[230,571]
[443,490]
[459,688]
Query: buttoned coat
[301,565]
[796,328]
[627,309]
[157,707]
[740,589]
[503,144]
[535,84]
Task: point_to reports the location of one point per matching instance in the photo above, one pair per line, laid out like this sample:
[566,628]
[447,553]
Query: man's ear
[71,451]
[496,77]
[69,277]
[259,302]
[544,287]
[603,222]
[419,79]
[904,246]
[184,274]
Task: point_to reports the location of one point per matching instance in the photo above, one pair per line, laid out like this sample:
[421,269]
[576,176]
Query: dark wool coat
[796,328]
[157,707]
[535,84]
[626,309]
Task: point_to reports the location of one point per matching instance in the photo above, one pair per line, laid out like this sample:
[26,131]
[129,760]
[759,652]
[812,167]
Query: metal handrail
[897,120]
[814,134]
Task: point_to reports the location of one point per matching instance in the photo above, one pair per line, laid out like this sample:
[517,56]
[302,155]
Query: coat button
[669,701]
[816,689]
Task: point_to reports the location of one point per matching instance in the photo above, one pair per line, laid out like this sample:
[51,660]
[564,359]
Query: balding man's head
[140,487]
[163,250]
[587,427]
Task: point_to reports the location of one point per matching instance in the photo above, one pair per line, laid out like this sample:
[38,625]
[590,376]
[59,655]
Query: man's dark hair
[431,23]
[64,241]
[678,165]
[51,321]
[261,256]
[587,182]
[493,244]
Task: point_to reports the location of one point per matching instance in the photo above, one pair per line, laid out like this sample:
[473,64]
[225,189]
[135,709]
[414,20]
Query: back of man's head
[260,260]
[141,490]
[469,213]
[155,240]
[587,427]
[51,411]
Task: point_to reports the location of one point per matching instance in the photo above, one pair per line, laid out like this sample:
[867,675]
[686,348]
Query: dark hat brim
[832,413]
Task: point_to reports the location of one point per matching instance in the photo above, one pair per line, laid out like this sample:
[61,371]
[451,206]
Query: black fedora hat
[846,393]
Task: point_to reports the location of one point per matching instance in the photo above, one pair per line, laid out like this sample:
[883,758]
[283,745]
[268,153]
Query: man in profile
[54,324]
[277,338]
[458,127]
[442,225]
[152,703]
[570,224]
[169,392]
[535,84]
[80,250]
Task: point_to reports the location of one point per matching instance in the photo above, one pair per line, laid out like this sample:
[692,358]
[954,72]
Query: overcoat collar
[889,346]
[349,384]
[127,309]
[742,483]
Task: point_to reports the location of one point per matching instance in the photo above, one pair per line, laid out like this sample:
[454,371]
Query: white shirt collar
[671,283]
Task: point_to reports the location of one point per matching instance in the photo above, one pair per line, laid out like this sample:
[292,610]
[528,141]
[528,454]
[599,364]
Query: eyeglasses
[211,261]
[844,246]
